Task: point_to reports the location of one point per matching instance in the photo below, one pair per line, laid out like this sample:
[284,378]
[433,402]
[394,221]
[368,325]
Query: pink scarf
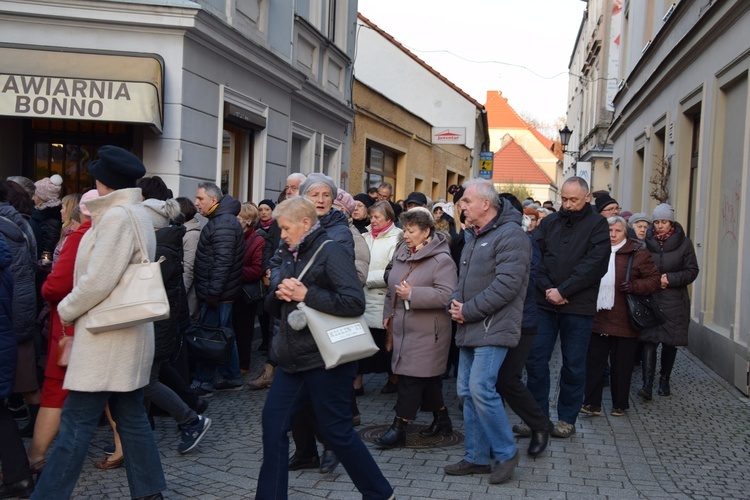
[376,232]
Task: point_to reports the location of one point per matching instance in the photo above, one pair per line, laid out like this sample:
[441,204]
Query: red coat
[252,262]
[58,284]
[646,280]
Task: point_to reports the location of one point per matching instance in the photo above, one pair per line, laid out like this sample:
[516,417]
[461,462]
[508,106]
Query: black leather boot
[668,355]
[539,441]
[21,489]
[441,424]
[649,369]
[395,436]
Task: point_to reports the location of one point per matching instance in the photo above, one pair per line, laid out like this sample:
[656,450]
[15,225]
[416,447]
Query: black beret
[603,201]
[365,199]
[117,168]
[269,203]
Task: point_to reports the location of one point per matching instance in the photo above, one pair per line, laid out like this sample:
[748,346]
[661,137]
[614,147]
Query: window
[66,148]
[380,166]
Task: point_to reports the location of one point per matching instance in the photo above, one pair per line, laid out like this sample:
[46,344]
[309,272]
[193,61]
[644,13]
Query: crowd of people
[483,285]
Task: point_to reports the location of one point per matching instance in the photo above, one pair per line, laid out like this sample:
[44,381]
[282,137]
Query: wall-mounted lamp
[565,135]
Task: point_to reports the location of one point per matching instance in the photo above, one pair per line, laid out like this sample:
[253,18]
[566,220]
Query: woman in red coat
[246,306]
[58,284]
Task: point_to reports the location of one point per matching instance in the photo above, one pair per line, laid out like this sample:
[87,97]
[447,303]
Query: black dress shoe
[328,462]
[539,442]
[298,463]
[21,489]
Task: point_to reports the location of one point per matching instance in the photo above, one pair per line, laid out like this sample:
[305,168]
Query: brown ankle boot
[264,379]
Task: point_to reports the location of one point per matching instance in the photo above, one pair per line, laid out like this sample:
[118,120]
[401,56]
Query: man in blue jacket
[488,307]
[575,255]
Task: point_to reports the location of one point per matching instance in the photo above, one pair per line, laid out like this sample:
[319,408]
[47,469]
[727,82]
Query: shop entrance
[66,147]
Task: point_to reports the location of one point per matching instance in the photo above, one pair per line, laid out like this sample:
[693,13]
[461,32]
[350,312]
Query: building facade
[593,82]
[238,93]
[413,128]
[681,133]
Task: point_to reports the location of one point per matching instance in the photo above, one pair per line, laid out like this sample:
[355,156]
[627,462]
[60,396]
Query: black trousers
[418,392]
[512,389]
[243,323]
[12,452]
[621,353]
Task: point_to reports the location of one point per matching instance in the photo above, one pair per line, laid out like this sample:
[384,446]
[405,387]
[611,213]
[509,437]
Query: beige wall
[420,162]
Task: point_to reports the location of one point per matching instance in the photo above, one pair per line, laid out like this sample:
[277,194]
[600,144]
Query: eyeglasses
[615,209]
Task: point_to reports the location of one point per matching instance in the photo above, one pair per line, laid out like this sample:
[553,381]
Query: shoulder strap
[141,246]
[630,264]
[310,262]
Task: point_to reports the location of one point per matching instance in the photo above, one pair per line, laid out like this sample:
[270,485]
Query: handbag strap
[630,264]
[310,262]
[141,246]
[395,296]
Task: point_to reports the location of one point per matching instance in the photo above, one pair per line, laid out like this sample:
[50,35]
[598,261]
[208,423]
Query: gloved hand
[626,287]
[212,301]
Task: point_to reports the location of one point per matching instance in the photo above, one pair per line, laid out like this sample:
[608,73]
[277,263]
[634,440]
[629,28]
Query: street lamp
[565,135]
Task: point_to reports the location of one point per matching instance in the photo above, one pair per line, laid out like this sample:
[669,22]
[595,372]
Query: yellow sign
[485,165]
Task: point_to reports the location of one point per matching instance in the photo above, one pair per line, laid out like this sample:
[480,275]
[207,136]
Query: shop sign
[449,135]
[29,96]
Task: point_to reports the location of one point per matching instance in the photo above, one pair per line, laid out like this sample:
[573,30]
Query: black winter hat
[603,201]
[417,198]
[365,199]
[117,168]
[268,202]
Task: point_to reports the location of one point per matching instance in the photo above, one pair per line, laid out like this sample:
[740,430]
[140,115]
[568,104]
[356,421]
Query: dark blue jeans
[329,393]
[80,416]
[575,332]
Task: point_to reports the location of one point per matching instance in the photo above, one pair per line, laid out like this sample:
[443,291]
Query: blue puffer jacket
[218,259]
[20,239]
[492,280]
[7,334]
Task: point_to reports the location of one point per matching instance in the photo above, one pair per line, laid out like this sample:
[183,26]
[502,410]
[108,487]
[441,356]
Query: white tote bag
[139,296]
[339,339]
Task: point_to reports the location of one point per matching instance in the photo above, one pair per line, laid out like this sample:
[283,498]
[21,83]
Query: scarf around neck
[663,237]
[377,232]
[295,248]
[606,298]
[265,225]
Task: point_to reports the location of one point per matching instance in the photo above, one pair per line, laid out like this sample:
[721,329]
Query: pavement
[694,444]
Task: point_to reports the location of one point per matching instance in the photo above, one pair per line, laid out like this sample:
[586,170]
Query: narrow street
[694,444]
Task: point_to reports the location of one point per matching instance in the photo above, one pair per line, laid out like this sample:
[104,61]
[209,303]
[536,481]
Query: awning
[49,83]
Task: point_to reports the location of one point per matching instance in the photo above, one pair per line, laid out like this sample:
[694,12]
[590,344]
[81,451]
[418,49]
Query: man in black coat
[575,255]
[217,269]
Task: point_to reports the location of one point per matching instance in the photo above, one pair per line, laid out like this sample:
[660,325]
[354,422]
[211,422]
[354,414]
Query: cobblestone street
[694,444]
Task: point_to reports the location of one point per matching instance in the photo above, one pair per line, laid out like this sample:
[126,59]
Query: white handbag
[339,339]
[139,296]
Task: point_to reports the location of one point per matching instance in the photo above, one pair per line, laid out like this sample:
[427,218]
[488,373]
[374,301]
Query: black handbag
[253,292]
[209,343]
[643,310]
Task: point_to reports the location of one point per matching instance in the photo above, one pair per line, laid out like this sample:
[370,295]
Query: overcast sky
[536,34]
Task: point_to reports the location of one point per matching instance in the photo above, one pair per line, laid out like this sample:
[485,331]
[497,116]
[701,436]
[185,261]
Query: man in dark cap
[416,199]
[607,206]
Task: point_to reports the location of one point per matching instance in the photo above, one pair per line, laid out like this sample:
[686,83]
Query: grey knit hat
[316,179]
[663,212]
[638,217]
